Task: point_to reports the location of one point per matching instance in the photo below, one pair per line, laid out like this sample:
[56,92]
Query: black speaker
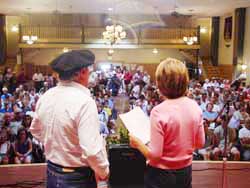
[127,165]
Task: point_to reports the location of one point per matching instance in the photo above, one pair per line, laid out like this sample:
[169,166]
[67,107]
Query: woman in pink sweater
[176,130]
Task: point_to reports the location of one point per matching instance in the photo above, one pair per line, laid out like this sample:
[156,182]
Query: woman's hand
[134,142]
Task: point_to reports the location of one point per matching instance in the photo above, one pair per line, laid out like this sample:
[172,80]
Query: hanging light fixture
[14,28]
[243,67]
[111,51]
[155,51]
[203,30]
[65,50]
[190,40]
[30,39]
[113,34]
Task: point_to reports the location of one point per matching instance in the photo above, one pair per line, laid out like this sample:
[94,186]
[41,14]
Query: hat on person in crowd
[191,89]
[222,86]
[18,110]
[5,89]
[197,98]
[67,64]
[30,113]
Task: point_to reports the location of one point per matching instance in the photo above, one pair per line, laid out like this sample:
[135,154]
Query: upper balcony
[91,37]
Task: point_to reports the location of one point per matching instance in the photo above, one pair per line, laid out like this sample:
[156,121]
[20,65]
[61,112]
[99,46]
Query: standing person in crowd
[21,77]
[8,79]
[127,79]
[38,80]
[176,130]
[66,121]
[115,84]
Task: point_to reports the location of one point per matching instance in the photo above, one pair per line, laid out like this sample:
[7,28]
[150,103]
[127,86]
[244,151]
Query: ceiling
[194,7]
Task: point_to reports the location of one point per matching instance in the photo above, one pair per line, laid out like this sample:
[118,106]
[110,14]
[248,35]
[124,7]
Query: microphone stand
[225,155]
[226,131]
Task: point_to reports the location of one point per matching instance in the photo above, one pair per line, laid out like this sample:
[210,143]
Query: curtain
[3,42]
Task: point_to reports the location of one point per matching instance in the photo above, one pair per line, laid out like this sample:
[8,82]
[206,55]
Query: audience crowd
[225,106]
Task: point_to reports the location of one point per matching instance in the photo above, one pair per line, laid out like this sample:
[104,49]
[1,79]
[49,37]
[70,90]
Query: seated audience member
[5,96]
[244,136]
[102,114]
[209,114]
[220,133]
[206,151]
[107,109]
[16,123]
[216,105]
[23,147]
[136,91]
[142,103]
[104,131]
[4,147]
[6,107]
[26,124]
[112,127]
[237,117]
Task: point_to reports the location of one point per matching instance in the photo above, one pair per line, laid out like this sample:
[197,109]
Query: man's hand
[98,178]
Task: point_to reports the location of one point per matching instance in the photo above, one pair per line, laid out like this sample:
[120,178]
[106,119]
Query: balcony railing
[93,35]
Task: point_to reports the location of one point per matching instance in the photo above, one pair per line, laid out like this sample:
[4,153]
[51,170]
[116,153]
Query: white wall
[246,57]
[225,53]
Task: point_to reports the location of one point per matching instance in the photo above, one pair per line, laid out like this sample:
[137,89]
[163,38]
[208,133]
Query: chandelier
[29,39]
[114,34]
[190,40]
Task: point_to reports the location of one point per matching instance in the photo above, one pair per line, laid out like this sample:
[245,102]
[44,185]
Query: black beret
[72,61]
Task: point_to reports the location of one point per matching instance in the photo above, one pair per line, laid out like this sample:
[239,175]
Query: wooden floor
[205,175]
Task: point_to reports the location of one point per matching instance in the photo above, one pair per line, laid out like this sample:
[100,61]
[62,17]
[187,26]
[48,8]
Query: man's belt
[70,169]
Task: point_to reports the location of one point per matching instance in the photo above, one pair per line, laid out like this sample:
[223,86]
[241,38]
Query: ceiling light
[190,40]
[155,51]
[111,51]
[65,50]
[244,67]
[26,37]
[110,9]
[29,39]
[195,39]
[30,42]
[113,34]
[203,30]
[14,28]
[34,38]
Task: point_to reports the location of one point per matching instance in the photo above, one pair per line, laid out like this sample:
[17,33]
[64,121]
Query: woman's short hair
[172,78]
[20,130]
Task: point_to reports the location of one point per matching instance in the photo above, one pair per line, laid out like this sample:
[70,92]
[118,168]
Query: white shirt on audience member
[38,77]
[244,133]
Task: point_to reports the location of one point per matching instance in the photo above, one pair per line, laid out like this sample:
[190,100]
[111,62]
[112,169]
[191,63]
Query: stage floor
[205,175]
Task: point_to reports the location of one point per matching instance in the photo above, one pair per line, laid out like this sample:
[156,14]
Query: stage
[205,175]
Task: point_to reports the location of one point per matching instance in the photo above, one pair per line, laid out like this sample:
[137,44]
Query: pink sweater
[176,131]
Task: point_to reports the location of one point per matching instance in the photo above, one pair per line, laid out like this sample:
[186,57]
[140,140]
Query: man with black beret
[66,121]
